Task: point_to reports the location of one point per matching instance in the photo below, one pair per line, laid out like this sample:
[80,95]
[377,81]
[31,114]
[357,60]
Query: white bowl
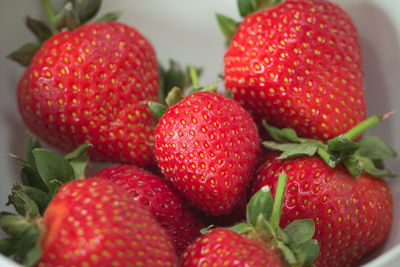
[187,31]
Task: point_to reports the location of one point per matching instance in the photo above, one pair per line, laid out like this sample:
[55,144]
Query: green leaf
[241,228]
[375,148]
[39,29]
[353,165]
[32,178]
[175,76]
[111,16]
[307,252]
[33,143]
[343,145]
[41,198]
[264,228]
[291,150]
[33,255]
[174,96]
[26,244]
[87,9]
[378,163]
[157,109]
[24,54]
[246,7]
[370,168]
[66,19]
[8,246]
[260,203]
[24,205]
[229,94]
[228,26]
[53,168]
[283,236]
[300,231]
[78,160]
[14,225]
[287,253]
[285,135]
[21,162]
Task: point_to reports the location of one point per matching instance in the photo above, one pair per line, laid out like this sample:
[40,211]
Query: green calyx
[43,173]
[365,155]
[175,76]
[179,80]
[263,215]
[24,236]
[71,16]
[229,26]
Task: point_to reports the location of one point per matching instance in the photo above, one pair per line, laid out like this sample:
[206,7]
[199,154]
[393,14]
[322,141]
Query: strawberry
[91,85]
[207,146]
[66,220]
[352,215]
[259,241]
[225,247]
[296,64]
[96,222]
[160,198]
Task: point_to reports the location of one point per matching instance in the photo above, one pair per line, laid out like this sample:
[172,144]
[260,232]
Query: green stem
[366,124]
[50,13]
[278,201]
[325,156]
[194,77]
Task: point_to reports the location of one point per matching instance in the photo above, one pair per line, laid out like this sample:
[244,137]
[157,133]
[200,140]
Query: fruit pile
[275,172]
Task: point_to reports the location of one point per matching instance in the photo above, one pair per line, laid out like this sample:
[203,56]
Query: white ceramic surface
[187,31]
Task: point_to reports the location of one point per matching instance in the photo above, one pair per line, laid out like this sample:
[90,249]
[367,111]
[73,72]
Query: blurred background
[187,31]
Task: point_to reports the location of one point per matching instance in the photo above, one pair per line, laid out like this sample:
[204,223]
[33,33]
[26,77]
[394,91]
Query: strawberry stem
[326,156]
[367,124]
[278,201]
[194,77]
[50,13]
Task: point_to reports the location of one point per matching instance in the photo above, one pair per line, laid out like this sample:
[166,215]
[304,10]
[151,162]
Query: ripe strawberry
[297,64]
[207,146]
[96,222]
[66,220]
[160,198]
[352,215]
[259,241]
[224,247]
[91,85]
[90,222]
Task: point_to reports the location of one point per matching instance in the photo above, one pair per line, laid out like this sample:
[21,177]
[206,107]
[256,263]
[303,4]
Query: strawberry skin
[298,65]
[93,222]
[161,199]
[223,247]
[91,85]
[207,146]
[352,215]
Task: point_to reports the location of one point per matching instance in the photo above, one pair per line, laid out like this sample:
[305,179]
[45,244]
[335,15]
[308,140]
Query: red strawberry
[297,64]
[93,222]
[69,221]
[352,215]
[207,146]
[90,83]
[258,242]
[223,247]
[160,198]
